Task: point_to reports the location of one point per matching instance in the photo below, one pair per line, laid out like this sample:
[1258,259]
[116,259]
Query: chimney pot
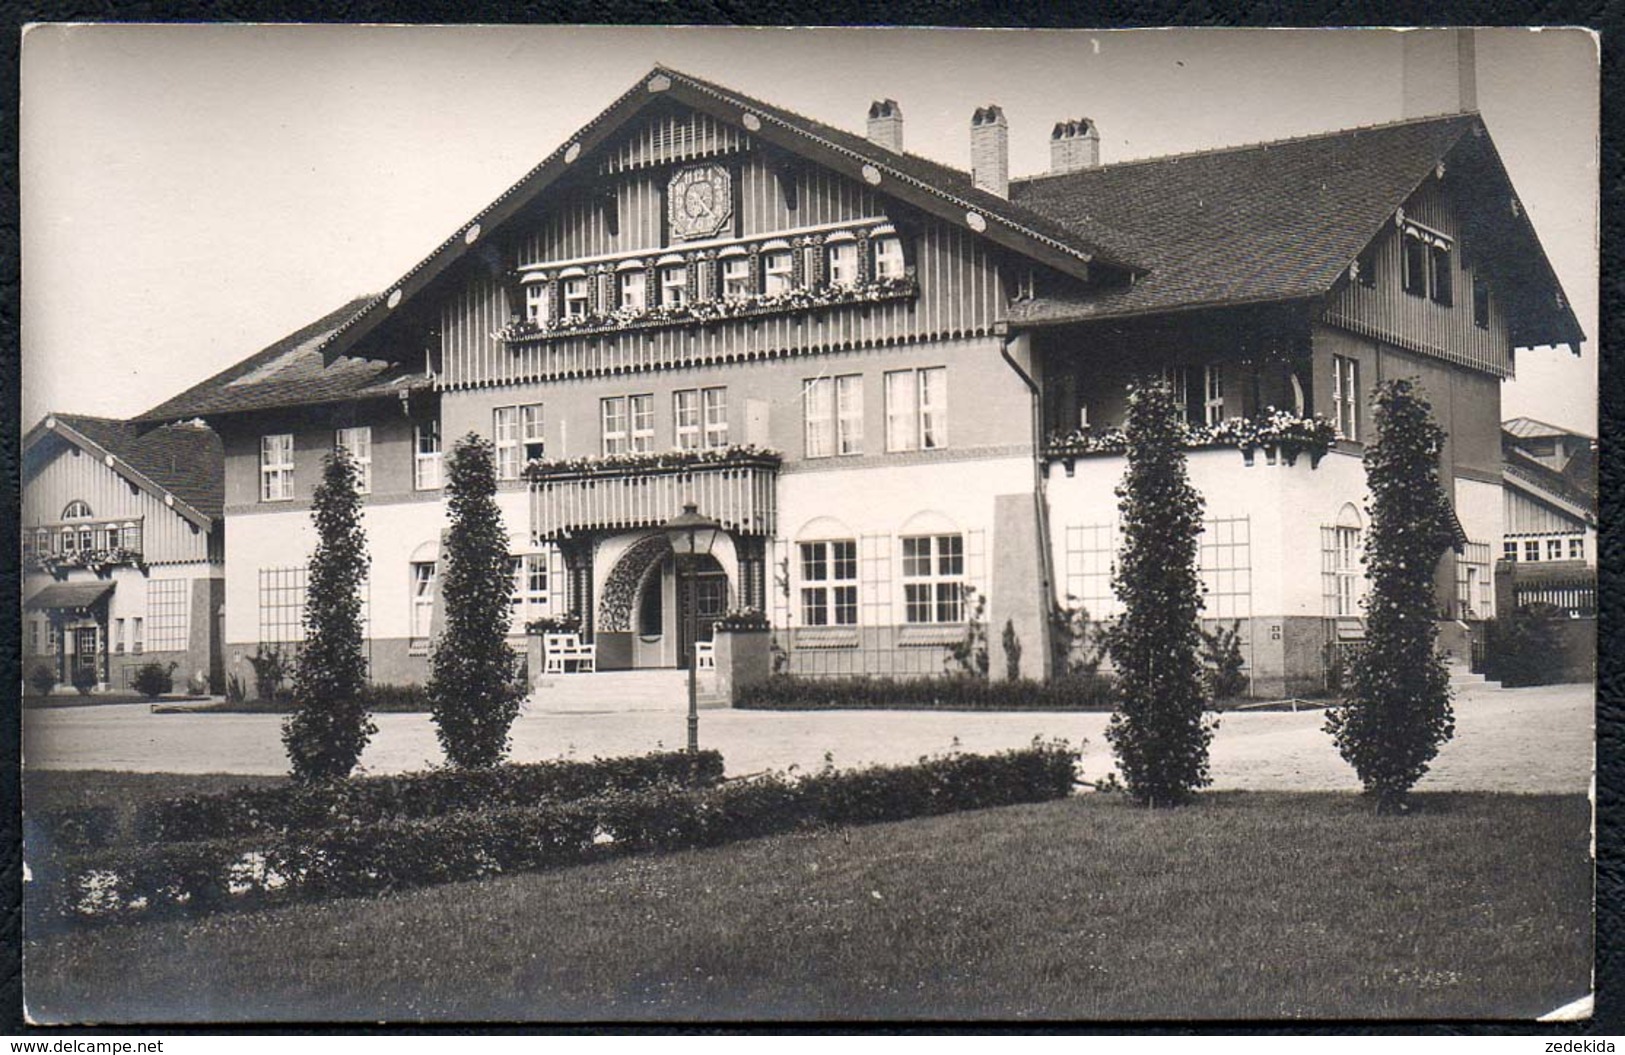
[1074,145]
[886,125]
[990,150]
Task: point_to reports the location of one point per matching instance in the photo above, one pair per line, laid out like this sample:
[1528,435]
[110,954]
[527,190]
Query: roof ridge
[1262,144]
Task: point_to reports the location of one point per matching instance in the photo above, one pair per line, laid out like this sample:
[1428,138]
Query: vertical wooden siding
[1525,516]
[960,294]
[1388,313]
[166,536]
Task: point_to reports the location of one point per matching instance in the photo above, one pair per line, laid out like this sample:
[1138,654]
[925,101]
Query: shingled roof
[1273,221]
[290,373]
[184,460]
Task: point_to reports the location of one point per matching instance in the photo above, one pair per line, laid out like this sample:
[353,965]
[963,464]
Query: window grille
[168,614]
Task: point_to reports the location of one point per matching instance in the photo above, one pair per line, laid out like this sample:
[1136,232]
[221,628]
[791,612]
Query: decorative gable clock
[699,202]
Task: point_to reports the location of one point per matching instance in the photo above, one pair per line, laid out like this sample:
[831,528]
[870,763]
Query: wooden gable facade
[618,219]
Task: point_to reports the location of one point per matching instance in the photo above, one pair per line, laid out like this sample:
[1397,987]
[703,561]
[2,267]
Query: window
[628,424]
[834,415]
[168,614]
[1442,280]
[530,597]
[1509,551]
[536,303]
[87,539]
[1577,548]
[777,272]
[276,468]
[843,264]
[1427,265]
[1365,267]
[1481,303]
[736,284]
[888,252]
[576,297]
[138,639]
[934,578]
[426,458]
[917,409]
[357,443]
[1213,403]
[118,635]
[422,598]
[1346,396]
[77,510]
[1347,568]
[518,432]
[70,541]
[1554,549]
[829,577]
[1531,550]
[281,605]
[849,414]
[674,286]
[700,417]
[634,289]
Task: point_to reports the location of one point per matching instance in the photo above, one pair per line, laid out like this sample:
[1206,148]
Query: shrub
[152,680]
[1523,648]
[1158,733]
[43,679]
[330,726]
[784,692]
[85,680]
[967,657]
[472,683]
[1012,651]
[1077,645]
[408,699]
[1221,652]
[270,671]
[235,690]
[70,830]
[415,796]
[1396,712]
[397,854]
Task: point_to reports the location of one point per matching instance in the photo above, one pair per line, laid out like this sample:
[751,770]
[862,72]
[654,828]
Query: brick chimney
[1440,72]
[1074,145]
[886,125]
[990,150]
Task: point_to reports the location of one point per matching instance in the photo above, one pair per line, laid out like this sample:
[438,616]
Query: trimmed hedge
[391,855]
[786,692]
[414,796]
[72,830]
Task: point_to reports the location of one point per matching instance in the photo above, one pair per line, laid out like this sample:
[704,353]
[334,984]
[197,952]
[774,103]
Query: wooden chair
[562,652]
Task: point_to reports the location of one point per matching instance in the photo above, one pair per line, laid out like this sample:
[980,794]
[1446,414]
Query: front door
[85,651]
[710,600]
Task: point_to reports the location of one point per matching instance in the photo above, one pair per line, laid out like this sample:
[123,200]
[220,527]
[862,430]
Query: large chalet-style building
[892,380]
[123,550]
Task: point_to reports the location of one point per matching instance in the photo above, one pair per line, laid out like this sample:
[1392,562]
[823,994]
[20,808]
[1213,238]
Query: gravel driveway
[1531,740]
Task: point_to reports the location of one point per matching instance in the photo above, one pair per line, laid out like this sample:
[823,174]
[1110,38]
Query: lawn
[1252,905]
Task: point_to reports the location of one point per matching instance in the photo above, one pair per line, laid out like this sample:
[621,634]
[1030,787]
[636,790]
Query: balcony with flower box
[800,300]
[99,547]
[1277,433]
[737,486]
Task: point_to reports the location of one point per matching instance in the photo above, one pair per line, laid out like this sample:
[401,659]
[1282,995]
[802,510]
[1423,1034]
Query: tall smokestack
[1073,146]
[1440,72]
[886,125]
[990,150]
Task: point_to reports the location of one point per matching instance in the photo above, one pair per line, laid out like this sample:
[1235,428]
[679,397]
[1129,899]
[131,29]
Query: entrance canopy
[70,595]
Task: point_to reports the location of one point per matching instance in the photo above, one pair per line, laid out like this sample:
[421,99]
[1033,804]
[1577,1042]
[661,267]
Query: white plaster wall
[1286,505]
[883,500]
[1481,510]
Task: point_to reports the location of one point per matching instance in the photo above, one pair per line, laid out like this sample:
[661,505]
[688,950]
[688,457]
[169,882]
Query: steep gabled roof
[1541,482]
[1274,221]
[935,188]
[1529,429]
[185,461]
[289,373]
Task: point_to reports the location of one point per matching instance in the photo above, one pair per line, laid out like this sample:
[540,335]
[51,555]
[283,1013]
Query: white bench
[562,653]
[705,655]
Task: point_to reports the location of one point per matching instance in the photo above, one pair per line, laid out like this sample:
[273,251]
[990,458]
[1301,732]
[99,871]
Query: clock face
[699,202]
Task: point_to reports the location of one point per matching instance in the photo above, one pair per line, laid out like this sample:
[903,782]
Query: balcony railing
[61,546]
[1274,430]
[738,487]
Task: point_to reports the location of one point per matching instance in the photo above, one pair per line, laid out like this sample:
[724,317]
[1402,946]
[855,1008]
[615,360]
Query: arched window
[77,510]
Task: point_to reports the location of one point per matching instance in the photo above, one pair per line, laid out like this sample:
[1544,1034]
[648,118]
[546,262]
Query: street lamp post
[691,536]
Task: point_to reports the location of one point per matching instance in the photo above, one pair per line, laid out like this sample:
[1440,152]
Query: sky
[190,194]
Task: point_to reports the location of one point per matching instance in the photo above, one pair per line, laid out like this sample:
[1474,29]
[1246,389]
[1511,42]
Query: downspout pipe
[1001,329]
